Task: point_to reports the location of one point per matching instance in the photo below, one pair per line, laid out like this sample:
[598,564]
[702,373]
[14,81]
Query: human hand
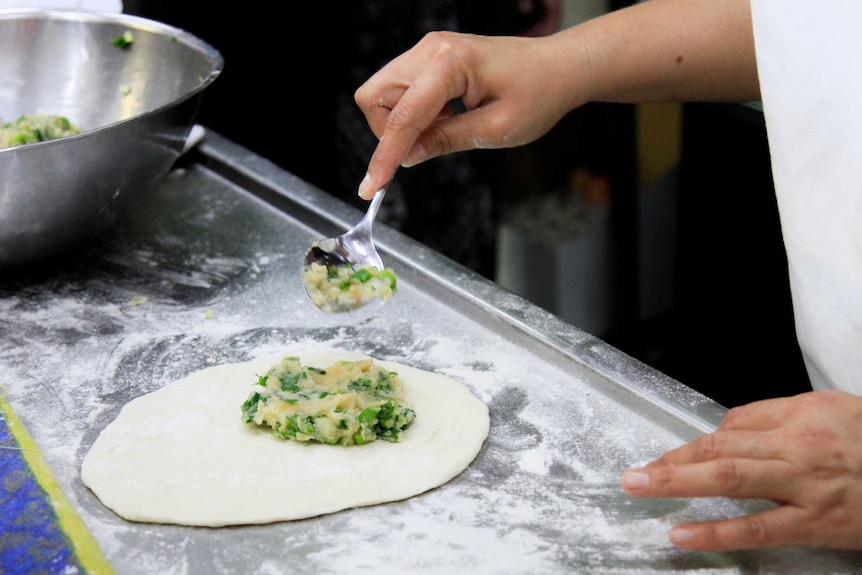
[804,453]
[510,87]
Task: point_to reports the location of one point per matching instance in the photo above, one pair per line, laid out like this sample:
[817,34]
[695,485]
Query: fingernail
[417,155]
[365,190]
[635,479]
[680,536]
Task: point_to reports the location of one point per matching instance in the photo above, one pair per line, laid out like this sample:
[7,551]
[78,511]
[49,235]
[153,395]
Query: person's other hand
[804,453]
[510,87]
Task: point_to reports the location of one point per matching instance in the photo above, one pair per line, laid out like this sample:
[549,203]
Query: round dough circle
[182,454]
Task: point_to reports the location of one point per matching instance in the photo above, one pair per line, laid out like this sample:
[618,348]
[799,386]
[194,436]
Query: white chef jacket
[809,60]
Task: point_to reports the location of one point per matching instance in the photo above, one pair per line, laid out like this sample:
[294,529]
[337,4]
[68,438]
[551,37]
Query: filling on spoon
[342,288]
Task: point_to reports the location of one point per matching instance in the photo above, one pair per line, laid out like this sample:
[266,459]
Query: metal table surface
[205,270]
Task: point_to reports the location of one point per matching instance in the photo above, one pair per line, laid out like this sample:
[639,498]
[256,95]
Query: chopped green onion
[124,40]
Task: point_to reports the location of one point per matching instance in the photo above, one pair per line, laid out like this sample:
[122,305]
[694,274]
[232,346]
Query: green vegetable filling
[33,128]
[349,403]
[343,288]
[124,40]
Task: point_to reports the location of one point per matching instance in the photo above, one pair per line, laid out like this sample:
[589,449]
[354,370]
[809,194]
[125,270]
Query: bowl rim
[132,21]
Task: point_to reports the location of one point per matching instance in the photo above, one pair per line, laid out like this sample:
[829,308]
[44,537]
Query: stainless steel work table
[205,271]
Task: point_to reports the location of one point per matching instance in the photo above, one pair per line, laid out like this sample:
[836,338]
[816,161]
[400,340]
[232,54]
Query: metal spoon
[353,249]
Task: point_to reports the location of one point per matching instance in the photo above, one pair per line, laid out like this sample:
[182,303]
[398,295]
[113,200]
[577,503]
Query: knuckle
[663,481]
[819,398]
[362,96]
[497,126]
[443,45]
[438,142]
[728,476]
[731,418]
[501,128]
[434,38]
[839,517]
[707,447]
[755,532]
[399,117]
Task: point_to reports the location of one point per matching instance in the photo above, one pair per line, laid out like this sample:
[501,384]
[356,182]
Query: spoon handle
[371,213]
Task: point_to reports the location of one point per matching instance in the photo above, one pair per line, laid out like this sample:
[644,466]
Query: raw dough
[182,454]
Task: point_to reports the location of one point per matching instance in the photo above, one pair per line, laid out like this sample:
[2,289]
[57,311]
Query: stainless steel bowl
[135,106]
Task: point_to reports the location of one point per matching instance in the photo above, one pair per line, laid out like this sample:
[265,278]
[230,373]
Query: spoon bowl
[355,247]
[345,272]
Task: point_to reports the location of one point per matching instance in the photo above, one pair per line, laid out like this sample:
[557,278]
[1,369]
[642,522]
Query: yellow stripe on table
[55,532]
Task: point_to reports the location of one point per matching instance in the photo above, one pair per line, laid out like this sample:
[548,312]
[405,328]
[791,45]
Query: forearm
[661,50]
[515,89]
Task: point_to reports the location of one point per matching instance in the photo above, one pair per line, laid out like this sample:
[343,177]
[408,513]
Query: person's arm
[667,50]
[516,89]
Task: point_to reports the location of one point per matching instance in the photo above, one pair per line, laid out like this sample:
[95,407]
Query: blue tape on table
[39,530]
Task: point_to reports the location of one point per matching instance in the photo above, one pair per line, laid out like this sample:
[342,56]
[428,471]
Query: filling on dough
[341,288]
[348,403]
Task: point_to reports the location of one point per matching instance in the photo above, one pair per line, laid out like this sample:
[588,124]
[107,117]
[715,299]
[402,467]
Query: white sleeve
[809,57]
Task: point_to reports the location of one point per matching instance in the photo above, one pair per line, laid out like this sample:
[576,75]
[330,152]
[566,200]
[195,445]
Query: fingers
[760,430]
[772,528]
[736,478]
[505,92]
[401,101]
[725,463]
[411,135]
[806,515]
[799,452]
[724,444]
[406,102]
[759,415]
